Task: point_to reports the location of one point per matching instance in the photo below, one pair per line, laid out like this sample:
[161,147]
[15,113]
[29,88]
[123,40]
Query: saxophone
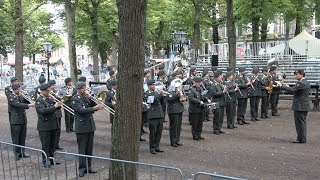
[270,85]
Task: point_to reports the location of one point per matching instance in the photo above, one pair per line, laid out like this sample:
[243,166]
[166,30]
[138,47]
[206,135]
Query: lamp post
[47,46]
[179,39]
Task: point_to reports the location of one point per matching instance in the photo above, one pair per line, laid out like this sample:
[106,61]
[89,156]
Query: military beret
[197,79]
[82,79]
[44,87]
[79,85]
[67,80]
[272,68]
[161,73]
[229,69]
[179,72]
[113,83]
[299,71]
[42,79]
[111,73]
[242,69]
[174,74]
[146,71]
[51,82]
[162,66]
[255,69]
[151,81]
[204,72]
[193,69]
[15,86]
[214,68]
[217,74]
[229,74]
[264,69]
[13,79]
[219,70]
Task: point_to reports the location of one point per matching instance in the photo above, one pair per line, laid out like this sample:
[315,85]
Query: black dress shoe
[174,145]
[141,139]
[92,171]
[268,116]
[200,137]
[263,117]
[244,122]
[58,148]
[71,130]
[216,132]
[57,163]
[240,123]
[81,173]
[152,151]
[296,142]
[221,131]
[159,150]
[25,155]
[254,120]
[208,119]
[275,114]
[179,144]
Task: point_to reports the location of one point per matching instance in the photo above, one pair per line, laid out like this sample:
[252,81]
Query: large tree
[231,28]
[126,125]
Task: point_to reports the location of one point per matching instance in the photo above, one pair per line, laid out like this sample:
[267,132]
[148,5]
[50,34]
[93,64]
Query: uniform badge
[38,102]
[73,102]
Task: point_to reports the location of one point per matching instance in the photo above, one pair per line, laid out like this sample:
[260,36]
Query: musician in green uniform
[207,83]
[8,92]
[112,77]
[111,98]
[231,99]
[265,89]
[155,116]
[68,117]
[242,95]
[84,126]
[47,122]
[254,93]
[217,92]
[18,120]
[274,97]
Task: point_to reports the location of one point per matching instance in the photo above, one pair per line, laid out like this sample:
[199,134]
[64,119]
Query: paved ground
[261,150]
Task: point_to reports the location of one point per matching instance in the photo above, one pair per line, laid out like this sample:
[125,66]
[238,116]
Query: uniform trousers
[301,125]
[175,127]
[69,120]
[218,118]
[274,99]
[85,147]
[48,139]
[18,135]
[196,123]
[58,133]
[254,106]
[230,110]
[155,132]
[241,111]
[264,105]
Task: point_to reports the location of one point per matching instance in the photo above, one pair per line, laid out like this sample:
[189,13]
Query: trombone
[100,96]
[64,106]
[26,96]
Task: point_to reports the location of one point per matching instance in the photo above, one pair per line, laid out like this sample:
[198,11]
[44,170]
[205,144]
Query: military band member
[68,117]
[218,91]
[18,120]
[41,80]
[52,84]
[196,106]
[112,77]
[300,105]
[242,95]
[206,85]
[230,100]
[193,74]
[155,116]
[229,69]
[254,93]
[8,91]
[84,126]
[47,122]
[274,97]
[213,70]
[82,79]
[265,89]
[111,98]
[164,80]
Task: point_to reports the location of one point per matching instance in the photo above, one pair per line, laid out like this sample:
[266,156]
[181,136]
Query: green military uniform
[265,81]
[155,118]
[47,125]
[18,123]
[84,128]
[108,101]
[300,106]
[274,97]
[207,83]
[108,83]
[218,96]
[68,117]
[242,96]
[230,101]
[175,110]
[8,92]
[254,93]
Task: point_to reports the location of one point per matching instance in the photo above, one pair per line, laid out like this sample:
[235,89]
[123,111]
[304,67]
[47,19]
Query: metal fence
[22,168]
[211,176]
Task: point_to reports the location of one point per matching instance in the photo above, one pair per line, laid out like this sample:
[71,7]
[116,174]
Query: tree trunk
[215,30]
[71,17]
[94,25]
[196,26]
[19,32]
[264,29]
[126,125]
[158,38]
[287,27]
[103,53]
[255,26]
[298,26]
[231,30]
[114,57]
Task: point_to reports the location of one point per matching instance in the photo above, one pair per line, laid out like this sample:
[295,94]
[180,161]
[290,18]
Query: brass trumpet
[98,100]
[64,106]
[26,96]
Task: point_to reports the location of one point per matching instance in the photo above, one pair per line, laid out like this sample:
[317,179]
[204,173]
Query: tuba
[178,84]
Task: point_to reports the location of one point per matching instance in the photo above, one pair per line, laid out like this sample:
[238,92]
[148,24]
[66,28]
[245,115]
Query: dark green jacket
[265,81]
[17,106]
[242,83]
[217,94]
[276,89]
[174,104]
[8,92]
[47,117]
[300,91]
[109,97]
[231,86]
[155,110]
[195,98]
[83,114]
[256,90]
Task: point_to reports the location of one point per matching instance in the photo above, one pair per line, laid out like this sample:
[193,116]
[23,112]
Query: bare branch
[24,18]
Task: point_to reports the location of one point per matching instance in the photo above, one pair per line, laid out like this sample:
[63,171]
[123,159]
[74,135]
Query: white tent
[305,44]
[273,50]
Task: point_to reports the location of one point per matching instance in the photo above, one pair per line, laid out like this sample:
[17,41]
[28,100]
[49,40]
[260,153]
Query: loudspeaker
[214,60]
[317,34]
